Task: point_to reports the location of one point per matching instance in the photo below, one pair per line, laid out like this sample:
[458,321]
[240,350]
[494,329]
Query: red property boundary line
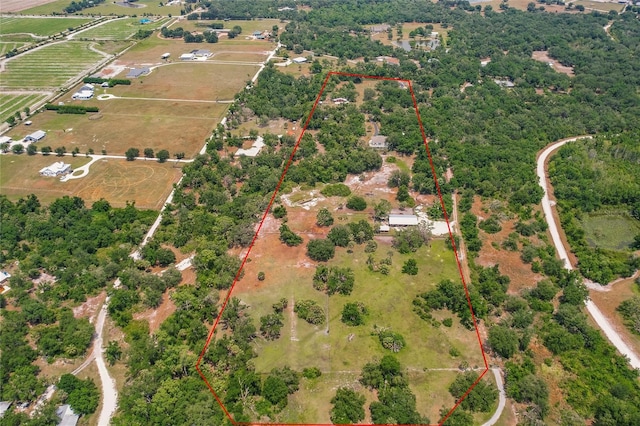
[244,260]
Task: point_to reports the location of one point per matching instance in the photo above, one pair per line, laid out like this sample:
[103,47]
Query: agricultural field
[50,66]
[150,7]
[7,46]
[610,231]
[148,183]
[10,104]
[42,27]
[119,29]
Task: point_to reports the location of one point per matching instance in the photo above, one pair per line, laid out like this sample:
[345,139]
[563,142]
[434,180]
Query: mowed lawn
[50,66]
[122,124]
[119,29]
[107,8]
[10,104]
[148,183]
[38,26]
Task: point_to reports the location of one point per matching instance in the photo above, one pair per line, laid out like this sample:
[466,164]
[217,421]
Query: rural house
[56,169]
[378,142]
[67,416]
[35,136]
[403,220]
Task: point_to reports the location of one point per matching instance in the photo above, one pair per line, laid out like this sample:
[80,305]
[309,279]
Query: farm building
[403,220]
[138,72]
[299,60]
[35,136]
[379,142]
[379,28]
[56,169]
[187,57]
[67,416]
[4,276]
[201,53]
[4,407]
[165,55]
[85,92]
[384,228]
[254,150]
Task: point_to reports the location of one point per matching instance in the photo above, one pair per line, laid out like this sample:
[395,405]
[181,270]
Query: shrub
[279,212]
[391,340]
[410,267]
[310,311]
[321,250]
[356,203]
[311,373]
[336,190]
[353,314]
[324,218]
[288,237]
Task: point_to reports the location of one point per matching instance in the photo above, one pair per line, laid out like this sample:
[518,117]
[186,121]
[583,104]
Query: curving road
[602,321]
[502,401]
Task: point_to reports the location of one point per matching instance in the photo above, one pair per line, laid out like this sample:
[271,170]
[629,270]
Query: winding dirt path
[601,320]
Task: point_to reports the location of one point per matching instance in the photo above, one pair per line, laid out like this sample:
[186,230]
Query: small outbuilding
[201,53]
[4,276]
[5,139]
[165,55]
[187,57]
[36,136]
[4,407]
[138,72]
[299,60]
[403,220]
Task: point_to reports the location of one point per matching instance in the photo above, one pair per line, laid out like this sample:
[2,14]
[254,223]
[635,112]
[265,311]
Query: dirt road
[593,310]
[109,392]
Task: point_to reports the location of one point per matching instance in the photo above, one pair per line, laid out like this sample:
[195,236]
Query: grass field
[10,104]
[190,80]
[175,126]
[119,29]
[50,66]
[108,8]
[6,46]
[148,183]
[38,26]
[613,232]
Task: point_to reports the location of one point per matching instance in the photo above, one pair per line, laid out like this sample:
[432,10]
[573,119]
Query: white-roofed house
[378,142]
[56,169]
[187,57]
[300,60]
[254,150]
[403,220]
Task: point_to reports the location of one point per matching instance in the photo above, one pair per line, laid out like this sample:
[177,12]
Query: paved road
[593,310]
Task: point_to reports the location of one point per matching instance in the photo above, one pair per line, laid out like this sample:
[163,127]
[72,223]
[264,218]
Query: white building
[67,416]
[201,53]
[165,55]
[403,220]
[4,276]
[4,407]
[187,57]
[378,141]
[300,60]
[56,169]
[254,150]
[82,95]
[35,136]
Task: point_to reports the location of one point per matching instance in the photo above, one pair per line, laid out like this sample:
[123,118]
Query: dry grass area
[407,27]
[608,301]
[148,183]
[509,262]
[18,5]
[123,123]
[190,81]
[543,56]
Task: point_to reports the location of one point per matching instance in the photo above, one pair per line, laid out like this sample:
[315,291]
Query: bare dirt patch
[90,307]
[543,56]
[156,316]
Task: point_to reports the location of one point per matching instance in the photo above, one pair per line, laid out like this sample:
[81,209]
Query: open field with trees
[10,104]
[174,126]
[42,68]
[117,181]
[38,26]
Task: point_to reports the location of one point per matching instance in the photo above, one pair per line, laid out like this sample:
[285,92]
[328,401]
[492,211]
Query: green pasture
[50,66]
[10,104]
[38,26]
[342,348]
[119,29]
[151,7]
[610,231]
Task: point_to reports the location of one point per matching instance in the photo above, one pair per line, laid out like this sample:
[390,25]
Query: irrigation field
[120,29]
[10,104]
[50,66]
[38,26]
